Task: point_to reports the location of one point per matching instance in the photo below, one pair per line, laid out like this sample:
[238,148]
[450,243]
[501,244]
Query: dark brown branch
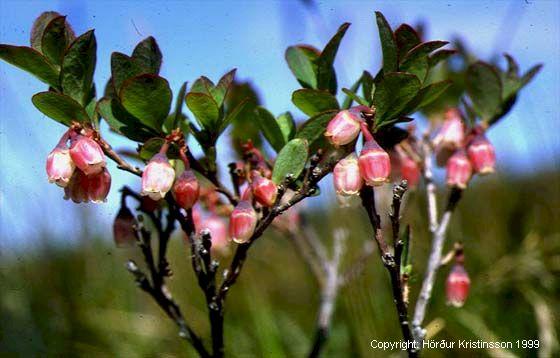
[389,260]
[121,163]
[159,291]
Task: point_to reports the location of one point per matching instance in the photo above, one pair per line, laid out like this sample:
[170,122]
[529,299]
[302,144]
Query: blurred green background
[79,300]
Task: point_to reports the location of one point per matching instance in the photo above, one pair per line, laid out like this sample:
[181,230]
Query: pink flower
[98,186]
[186,189]
[410,171]
[218,231]
[344,127]
[459,170]
[87,155]
[242,222]
[374,163]
[264,189]
[452,132]
[457,286]
[158,177]
[482,155]
[60,166]
[77,188]
[346,176]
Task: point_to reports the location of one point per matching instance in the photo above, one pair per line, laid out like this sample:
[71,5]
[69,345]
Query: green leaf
[205,110]
[234,114]
[367,86]
[287,126]
[220,90]
[311,101]
[388,44]
[60,107]
[513,67]
[432,91]
[528,76]
[148,98]
[484,88]
[148,56]
[406,38]
[270,128]
[416,60]
[123,67]
[393,93]
[427,95]
[31,61]
[55,40]
[291,160]
[439,56]
[348,100]
[326,76]
[314,127]
[39,27]
[355,97]
[78,67]
[121,121]
[300,60]
[203,85]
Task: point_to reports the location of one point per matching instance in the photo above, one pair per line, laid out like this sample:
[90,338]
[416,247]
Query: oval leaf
[123,67]
[122,122]
[388,43]
[484,88]
[393,93]
[39,27]
[55,40]
[78,67]
[205,110]
[311,101]
[148,98]
[270,128]
[291,160]
[300,60]
[287,126]
[148,55]
[60,107]
[31,61]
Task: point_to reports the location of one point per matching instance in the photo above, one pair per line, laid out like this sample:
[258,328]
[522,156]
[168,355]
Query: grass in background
[80,301]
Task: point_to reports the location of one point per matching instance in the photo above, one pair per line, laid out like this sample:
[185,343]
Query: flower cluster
[463,152]
[79,169]
[373,166]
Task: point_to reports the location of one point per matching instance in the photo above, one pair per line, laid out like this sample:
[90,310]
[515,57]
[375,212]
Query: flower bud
[98,186]
[459,170]
[242,222]
[158,177]
[186,189]
[346,176]
[218,231]
[344,127]
[264,189]
[410,171]
[87,155]
[374,163]
[60,166]
[457,286]
[123,228]
[452,132]
[77,188]
[481,154]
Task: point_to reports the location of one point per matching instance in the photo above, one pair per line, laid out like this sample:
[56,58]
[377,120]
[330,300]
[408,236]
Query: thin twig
[434,263]
[389,261]
[328,293]
[431,190]
[121,163]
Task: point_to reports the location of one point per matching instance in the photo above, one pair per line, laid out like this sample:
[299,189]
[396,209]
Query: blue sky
[211,37]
